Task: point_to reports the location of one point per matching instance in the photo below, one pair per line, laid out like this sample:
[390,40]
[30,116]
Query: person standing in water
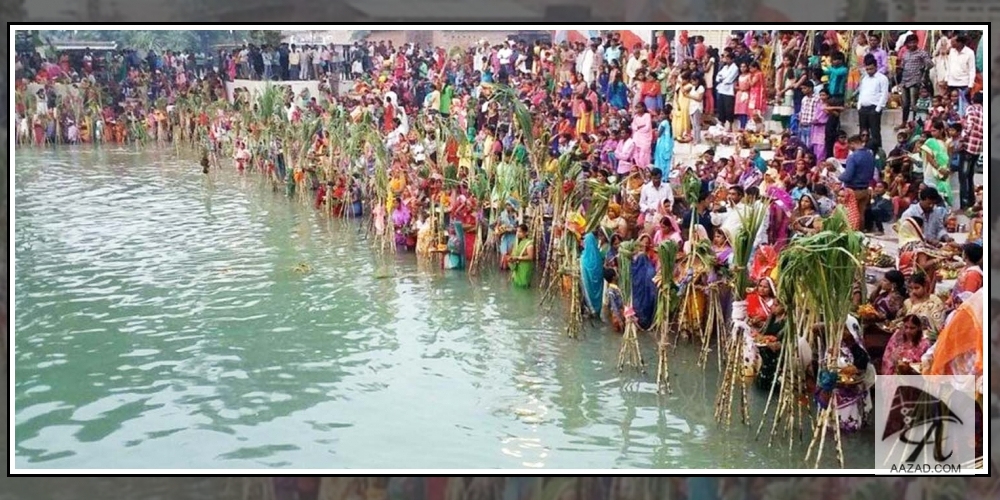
[522,259]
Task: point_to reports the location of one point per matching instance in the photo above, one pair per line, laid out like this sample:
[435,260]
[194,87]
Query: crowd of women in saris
[618,112]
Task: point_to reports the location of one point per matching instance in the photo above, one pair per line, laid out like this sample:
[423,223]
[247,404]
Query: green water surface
[161,324]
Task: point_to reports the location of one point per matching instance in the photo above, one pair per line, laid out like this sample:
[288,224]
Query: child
[902,193]
[922,108]
[801,187]
[840,149]
[613,303]
[938,112]
[879,210]
[894,161]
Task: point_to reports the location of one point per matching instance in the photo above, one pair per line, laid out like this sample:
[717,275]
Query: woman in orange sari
[959,351]
[758,96]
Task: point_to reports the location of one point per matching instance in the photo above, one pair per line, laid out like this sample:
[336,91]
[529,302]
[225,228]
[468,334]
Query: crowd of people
[492,154]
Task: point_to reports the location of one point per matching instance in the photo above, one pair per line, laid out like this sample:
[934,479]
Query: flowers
[762,340]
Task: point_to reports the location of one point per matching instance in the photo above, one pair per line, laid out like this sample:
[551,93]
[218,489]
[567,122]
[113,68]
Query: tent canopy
[629,38]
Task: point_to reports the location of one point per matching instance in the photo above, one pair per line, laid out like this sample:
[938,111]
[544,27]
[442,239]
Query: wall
[443,38]
[256,86]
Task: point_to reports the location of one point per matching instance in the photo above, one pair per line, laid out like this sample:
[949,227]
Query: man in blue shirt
[859,173]
[931,210]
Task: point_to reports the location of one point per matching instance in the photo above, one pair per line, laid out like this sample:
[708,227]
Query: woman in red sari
[761,302]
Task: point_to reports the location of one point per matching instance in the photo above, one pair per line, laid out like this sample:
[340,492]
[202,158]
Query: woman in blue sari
[618,93]
[663,157]
[643,288]
[592,274]
[454,258]
[507,229]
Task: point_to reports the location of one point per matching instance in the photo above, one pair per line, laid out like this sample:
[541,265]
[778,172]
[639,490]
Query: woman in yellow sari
[858,51]
[766,65]
[916,256]
[695,299]
[681,121]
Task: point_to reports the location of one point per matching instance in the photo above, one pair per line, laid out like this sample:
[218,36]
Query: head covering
[513,202]
[908,231]
[614,210]
[812,199]
[854,327]
[770,284]
[781,198]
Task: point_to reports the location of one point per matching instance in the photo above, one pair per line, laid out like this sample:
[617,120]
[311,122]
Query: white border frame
[13,470]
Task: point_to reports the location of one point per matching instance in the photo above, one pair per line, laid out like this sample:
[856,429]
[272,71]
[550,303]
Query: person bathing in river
[522,259]
[454,257]
[506,228]
[242,156]
[592,274]
[614,304]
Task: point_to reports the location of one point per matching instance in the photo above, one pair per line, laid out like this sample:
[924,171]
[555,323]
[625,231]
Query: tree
[264,37]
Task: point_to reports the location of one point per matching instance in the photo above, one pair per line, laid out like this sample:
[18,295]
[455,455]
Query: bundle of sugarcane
[703,260]
[733,375]
[551,273]
[630,353]
[479,188]
[789,383]
[667,253]
[521,116]
[751,219]
[570,273]
[822,268]
[601,195]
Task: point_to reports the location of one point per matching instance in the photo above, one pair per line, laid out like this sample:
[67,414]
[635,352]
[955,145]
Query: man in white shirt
[632,66]
[504,55]
[654,193]
[481,51]
[588,64]
[738,208]
[725,83]
[873,93]
[961,65]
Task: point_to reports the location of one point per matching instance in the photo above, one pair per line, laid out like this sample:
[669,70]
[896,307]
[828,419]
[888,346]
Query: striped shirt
[808,112]
[972,129]
[915,63]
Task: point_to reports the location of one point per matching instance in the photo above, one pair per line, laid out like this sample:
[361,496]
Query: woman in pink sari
[642,134]
[906,346]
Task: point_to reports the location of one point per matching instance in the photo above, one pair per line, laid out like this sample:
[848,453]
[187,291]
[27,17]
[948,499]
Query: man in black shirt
[704,215]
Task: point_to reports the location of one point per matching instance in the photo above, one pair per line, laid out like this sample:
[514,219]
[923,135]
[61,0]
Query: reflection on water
[161,324]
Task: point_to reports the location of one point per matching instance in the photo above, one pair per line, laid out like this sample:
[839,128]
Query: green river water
[160,324]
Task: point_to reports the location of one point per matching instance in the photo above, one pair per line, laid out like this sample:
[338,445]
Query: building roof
[336,37]
[378,10]
[81,45]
